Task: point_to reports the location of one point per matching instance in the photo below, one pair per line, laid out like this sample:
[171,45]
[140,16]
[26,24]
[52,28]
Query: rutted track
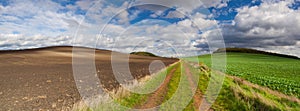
[197,96]
[157,97]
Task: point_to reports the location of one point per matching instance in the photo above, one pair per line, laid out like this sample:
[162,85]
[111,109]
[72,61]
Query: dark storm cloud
[271,27]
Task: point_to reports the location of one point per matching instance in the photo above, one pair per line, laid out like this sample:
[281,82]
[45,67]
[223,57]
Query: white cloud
[39,17]
[45,23]
[185,6]
[19,41]
[272,26]
[203,22]
[182,37]
[123,17]
[215,3]
[85,4]
[175,14]
[222,5]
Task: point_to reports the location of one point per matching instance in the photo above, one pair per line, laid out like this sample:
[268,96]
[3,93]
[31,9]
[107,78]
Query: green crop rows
[235,95]
[277,73]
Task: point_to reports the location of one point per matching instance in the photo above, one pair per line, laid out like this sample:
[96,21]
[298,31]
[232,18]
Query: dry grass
[106,101]
[265,89]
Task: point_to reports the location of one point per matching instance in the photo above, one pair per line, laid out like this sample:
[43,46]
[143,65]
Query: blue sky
[163,26]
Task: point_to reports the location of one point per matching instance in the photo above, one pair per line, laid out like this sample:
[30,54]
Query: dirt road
[157,97]
[197,95]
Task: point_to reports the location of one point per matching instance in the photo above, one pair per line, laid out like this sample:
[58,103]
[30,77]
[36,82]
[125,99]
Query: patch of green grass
[179,94]
[132,100]
[135,99]
[143,54]
[234,96]
[227,100]
[173,84]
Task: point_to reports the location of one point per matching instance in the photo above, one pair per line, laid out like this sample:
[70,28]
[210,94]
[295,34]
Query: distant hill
[247,50]
[69,50]
[144,54]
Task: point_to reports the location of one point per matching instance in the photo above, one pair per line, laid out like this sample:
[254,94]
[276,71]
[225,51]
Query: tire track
[197,95]
[156,98]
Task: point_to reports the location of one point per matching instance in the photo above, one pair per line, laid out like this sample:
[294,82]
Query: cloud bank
[180,29]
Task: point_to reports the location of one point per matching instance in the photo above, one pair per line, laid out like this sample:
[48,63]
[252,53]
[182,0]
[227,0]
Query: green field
[242,89]
[237,96]
[277,73]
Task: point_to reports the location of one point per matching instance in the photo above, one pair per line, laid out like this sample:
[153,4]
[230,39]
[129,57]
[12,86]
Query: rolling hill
[42,79]
[253,51]
[144,54]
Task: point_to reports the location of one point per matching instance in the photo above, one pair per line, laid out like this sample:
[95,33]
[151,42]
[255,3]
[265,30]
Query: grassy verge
[235,95]
[179,93]
[202,83]
[173,85]
[135,99]
[127,102]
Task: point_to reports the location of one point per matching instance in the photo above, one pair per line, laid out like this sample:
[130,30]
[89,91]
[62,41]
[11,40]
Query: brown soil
[157,97]
[197,96]
[42,79]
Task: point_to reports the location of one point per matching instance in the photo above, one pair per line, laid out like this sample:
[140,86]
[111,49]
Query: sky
[166,28]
